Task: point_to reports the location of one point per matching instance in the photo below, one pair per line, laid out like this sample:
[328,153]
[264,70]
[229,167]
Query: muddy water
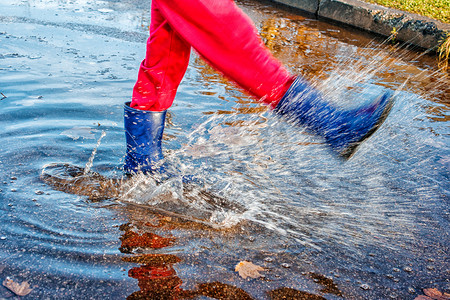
[375,227]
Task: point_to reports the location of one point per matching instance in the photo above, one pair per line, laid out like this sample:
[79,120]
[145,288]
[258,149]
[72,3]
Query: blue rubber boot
[343,130]
[143,131]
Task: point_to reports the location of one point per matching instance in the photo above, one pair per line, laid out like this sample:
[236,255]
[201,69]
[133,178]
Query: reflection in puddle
[191,203]
[74,180]
[156,272]
[156,275]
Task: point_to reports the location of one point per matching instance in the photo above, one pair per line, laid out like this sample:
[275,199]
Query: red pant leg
[164,66]
[225,37]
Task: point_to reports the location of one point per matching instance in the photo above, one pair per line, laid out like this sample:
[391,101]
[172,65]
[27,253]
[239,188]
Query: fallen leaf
[433,293]
[248,269]
[22,289]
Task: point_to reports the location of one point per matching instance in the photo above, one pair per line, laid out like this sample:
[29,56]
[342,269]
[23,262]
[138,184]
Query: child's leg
[225,37]
[163,68]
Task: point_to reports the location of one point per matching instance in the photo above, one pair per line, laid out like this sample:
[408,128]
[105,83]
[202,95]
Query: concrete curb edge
[410,28]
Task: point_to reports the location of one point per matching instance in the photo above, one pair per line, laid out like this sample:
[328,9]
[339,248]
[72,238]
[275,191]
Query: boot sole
[348,152]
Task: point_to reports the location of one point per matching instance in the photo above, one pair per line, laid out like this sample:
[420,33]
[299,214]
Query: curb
[410,28]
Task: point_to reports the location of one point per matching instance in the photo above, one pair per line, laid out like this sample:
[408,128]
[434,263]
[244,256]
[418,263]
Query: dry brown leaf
[248,269]
[22,289]
[431,292]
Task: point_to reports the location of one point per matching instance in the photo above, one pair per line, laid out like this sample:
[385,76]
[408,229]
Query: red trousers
[222,35]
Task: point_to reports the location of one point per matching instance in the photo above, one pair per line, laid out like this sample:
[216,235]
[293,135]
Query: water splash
[189,201]
[289,183]
[90,162]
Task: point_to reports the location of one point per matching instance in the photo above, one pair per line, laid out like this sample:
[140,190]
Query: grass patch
[436,9]
[444,54]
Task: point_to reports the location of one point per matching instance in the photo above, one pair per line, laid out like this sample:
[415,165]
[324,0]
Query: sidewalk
[414,29]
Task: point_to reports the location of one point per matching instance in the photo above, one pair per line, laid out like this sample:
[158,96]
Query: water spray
[90,162]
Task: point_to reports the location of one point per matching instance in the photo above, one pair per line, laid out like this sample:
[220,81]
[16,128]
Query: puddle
[375,227]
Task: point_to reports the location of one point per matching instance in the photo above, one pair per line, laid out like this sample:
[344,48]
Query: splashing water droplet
[91,159]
